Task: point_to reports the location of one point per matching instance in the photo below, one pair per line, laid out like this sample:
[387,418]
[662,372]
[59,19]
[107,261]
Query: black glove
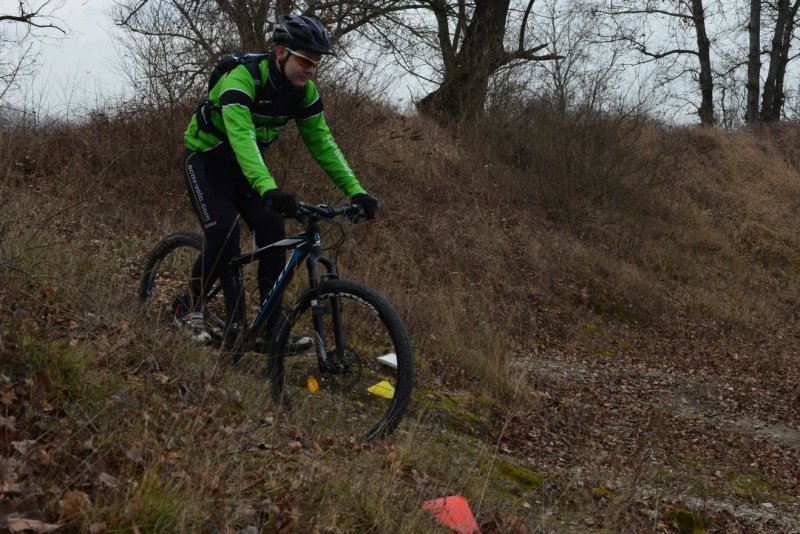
[368,203]
[281,202]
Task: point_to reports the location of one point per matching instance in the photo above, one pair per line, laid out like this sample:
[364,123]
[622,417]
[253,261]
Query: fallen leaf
[8,396]
[11,487]
[103,344]
[108,480]
[134,454]
[75,506]
[20,524]
[24,446]
[42,377]
[44,457]
[8,422]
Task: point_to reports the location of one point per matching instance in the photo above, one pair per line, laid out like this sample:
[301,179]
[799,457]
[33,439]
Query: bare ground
[693,420]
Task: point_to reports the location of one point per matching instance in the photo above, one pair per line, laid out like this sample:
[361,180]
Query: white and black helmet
[302,33]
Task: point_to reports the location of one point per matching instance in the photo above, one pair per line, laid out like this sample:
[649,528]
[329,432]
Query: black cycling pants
[220,193]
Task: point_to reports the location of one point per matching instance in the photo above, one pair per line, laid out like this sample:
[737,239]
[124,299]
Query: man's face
[300,66]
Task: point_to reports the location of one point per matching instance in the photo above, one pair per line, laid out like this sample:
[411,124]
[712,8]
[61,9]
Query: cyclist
[225,173]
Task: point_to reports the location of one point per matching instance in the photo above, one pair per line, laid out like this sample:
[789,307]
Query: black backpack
[223,66]
[231,61]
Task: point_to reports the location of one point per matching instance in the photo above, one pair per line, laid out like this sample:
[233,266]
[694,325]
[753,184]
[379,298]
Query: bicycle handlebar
[323,211]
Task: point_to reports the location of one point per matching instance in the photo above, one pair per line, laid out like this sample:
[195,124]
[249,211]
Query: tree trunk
[706,110]
[462,93]
[778,96]
[768,112]
[282,7]
[250,21]
[753,62]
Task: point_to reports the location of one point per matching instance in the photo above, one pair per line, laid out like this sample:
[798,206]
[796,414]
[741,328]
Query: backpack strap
[253,67]
[203,111]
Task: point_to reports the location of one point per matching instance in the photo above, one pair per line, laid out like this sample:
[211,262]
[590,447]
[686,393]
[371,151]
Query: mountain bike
[358,368]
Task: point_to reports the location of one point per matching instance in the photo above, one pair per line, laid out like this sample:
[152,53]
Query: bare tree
[474,52]
[251,18]
[20,31]
[682,23]
[770,30]
[458,46]
[171,44]
[772,98]
[39,15]
[168,47]
[585,77]
[753,61]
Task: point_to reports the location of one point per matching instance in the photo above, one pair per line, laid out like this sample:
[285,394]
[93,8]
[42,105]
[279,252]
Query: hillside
[604,313]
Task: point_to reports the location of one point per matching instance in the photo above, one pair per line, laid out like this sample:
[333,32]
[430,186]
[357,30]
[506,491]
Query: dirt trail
[723,442]
[686,397]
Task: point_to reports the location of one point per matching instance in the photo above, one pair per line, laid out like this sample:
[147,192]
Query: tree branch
[674,52]
[644,12]
[200,39]
[369,17]
[524,24]
[132,14]
[27,18]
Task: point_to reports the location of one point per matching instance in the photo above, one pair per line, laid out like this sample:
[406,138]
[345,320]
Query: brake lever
[355,212]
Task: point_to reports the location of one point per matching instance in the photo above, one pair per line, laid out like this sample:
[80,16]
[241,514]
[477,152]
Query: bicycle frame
[306,247]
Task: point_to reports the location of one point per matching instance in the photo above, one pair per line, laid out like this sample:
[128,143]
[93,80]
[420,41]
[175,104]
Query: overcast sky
[77,73]
[78,70]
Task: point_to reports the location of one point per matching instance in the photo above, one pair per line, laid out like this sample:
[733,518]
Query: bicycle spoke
[165,285]
[362,389]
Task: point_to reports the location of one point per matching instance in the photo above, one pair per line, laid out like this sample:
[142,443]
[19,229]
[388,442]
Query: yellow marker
[382,389]
[313,386]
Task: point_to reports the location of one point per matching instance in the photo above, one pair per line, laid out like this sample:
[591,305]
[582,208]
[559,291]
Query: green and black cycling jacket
[250,126]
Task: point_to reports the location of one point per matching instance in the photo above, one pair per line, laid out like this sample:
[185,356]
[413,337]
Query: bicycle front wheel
[344,356]
[164,289]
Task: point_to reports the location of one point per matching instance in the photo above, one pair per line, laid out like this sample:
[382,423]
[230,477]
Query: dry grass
[581,236]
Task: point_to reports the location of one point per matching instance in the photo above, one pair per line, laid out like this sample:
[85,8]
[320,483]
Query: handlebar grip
[353,212]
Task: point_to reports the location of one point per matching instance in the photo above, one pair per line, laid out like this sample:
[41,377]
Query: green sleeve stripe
[234,104]
[236,89]
[311,117]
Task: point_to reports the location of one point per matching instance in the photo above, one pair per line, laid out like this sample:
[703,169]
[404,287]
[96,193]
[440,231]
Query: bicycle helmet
[302,33]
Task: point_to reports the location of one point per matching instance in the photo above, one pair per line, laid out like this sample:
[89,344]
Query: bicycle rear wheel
[164,286]
[357,333]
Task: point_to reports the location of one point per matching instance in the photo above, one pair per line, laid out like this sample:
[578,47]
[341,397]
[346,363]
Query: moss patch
[687,521]
[603,493]
[746,485]
[525,478]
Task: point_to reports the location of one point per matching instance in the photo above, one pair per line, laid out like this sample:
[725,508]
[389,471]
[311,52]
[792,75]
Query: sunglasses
[303,61]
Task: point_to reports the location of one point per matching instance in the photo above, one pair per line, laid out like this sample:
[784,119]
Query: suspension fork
[319,309]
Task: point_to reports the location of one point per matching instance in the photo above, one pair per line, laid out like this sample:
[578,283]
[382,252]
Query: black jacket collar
[277,79]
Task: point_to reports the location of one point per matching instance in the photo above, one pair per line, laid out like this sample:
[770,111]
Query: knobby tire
[372,328]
